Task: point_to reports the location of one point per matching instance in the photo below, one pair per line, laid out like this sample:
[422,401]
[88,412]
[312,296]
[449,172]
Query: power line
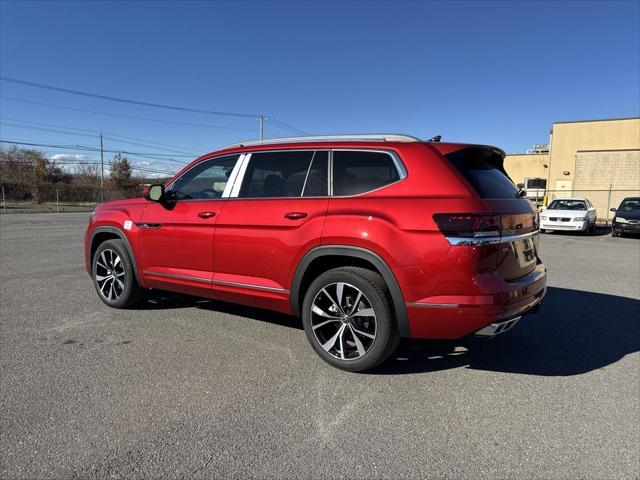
[134,117]
[146,155]
[90,149]
[126,100]
[284,126]
[96,132]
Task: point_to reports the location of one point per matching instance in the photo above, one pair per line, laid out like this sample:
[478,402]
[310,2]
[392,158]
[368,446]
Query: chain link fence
[61,197]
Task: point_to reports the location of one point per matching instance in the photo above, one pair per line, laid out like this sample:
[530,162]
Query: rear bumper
[472,313]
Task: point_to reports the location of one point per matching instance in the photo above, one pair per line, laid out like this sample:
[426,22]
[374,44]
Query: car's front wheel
[348,318]
[113,275]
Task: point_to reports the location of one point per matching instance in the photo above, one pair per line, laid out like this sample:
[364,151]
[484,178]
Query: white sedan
[569,214]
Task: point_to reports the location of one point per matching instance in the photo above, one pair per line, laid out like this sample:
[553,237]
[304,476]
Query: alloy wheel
[343,321]
[110,275]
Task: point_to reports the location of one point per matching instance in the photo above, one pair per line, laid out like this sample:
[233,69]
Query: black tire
[375,294]
[614,233]
[110,291]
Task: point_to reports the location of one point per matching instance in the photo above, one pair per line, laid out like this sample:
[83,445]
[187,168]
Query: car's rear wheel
[113,275]
[348,318]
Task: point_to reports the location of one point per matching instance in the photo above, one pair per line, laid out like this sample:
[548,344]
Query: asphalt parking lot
[183,387]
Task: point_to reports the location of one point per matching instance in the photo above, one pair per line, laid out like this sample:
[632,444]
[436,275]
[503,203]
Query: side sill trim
[479,241]
[432,305]
[217,282]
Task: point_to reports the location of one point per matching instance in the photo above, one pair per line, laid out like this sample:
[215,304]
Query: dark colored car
[627,217]
[367,238]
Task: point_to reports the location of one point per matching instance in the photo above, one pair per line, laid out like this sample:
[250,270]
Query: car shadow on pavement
[573,333]
[164,300]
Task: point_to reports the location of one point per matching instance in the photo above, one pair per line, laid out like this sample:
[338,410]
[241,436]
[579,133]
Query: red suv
[368,238]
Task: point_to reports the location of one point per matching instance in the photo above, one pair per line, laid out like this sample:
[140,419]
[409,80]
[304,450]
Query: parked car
[627,217]
[367,238]
[569,214]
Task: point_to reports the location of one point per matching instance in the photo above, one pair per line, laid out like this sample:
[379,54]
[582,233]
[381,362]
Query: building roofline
[610,150]
[599,120]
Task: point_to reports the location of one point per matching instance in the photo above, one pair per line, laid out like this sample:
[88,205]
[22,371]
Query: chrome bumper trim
[479,241]
[213,281]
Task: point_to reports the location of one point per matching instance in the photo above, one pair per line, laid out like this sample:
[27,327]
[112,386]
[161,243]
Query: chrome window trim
[480,241]
[306,177]
[214,157]
[235,191]
[232,178]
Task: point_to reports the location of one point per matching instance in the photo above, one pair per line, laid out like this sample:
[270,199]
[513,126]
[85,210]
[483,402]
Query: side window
[207,180]
[276,174]
[316,183]
[357,172]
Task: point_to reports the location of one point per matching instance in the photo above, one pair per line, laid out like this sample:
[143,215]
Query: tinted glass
[316,184]
[630,205]
[482,168]
[357,172]
[276,174]
[567,205]
[206,180]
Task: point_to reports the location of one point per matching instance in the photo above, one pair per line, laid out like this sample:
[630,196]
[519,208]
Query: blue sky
[490,72]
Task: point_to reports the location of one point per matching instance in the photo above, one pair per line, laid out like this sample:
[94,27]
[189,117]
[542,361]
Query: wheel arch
[104,233]
[354,256]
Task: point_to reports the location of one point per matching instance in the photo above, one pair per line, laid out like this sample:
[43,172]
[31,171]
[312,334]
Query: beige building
[586,158]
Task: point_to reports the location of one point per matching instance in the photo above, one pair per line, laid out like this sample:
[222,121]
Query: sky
[496,73]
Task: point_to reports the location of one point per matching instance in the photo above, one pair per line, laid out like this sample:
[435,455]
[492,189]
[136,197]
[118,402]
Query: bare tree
[120,172]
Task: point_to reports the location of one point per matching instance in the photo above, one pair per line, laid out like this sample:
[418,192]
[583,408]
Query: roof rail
[373,137]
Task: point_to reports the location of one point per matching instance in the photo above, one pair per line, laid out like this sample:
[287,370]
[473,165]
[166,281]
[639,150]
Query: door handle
[206,214]
[295,215]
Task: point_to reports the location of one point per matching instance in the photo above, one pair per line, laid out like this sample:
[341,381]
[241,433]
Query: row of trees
[29,172]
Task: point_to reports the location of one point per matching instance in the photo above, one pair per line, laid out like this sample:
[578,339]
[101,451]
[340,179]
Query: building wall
[570,137]
[526,165]
[597,171]
[596,154]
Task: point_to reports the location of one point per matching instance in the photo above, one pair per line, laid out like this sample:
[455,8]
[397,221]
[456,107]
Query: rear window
[482,168]
[567,205]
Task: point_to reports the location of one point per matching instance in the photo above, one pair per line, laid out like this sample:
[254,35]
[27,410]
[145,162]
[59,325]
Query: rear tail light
[468,225]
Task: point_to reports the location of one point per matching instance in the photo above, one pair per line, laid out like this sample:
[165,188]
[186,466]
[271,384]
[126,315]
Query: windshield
[630,205]
[567,205]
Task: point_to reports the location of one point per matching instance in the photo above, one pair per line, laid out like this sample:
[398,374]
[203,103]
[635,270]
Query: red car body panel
[248,251]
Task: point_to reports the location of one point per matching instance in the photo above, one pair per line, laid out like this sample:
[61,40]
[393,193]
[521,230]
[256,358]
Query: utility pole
[261,118]
[101,171]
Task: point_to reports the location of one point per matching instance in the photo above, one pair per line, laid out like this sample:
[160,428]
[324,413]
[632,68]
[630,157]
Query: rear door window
[285,174]
[356,172]
[482,168]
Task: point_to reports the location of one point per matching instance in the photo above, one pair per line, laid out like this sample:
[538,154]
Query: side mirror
[155,193]
[612,209]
